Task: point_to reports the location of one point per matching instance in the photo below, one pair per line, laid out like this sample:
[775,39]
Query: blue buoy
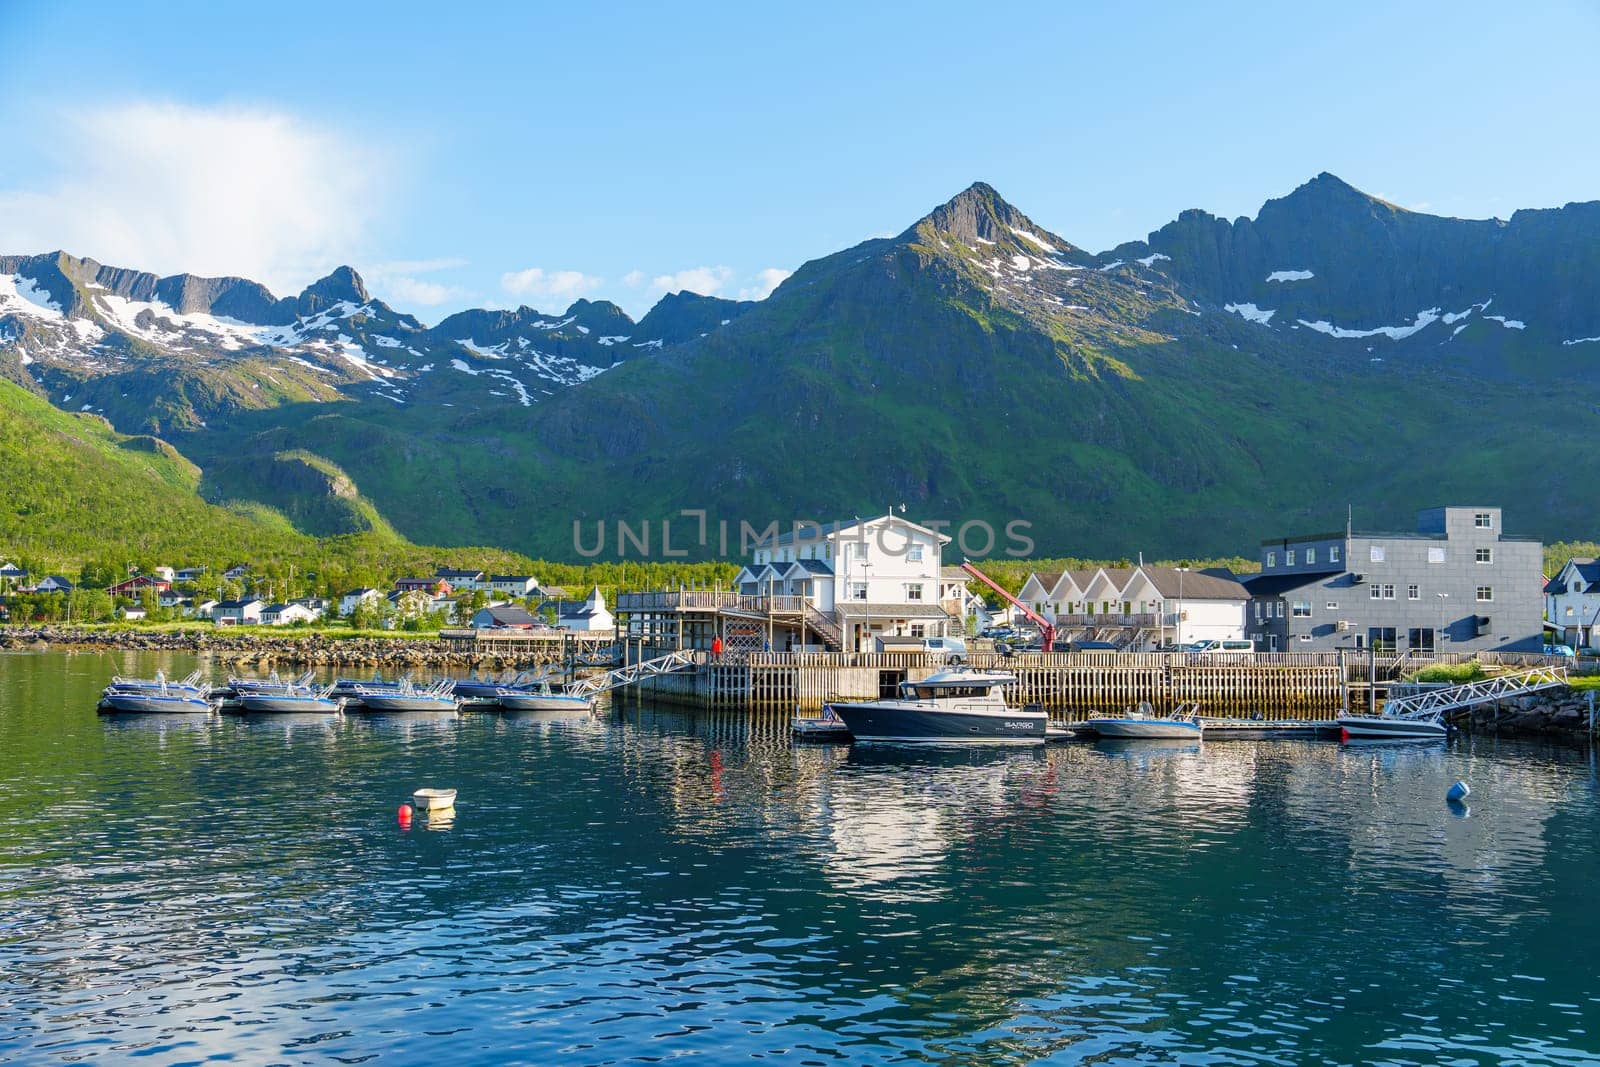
[1458,792]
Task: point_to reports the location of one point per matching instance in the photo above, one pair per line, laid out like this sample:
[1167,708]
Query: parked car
[1560,650]
[1093,646]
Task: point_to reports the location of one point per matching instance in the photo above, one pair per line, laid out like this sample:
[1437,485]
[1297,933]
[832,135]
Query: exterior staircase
[825,628]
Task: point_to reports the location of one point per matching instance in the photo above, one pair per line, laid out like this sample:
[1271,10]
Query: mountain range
[1190,394]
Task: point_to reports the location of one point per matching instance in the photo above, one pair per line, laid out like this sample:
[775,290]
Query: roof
[510,615]
[811,532]
[230,605]
[814,566]
[1048,579]
[369,591]
[1259,585]
[1211,584]
[860,609]
[273,609]
[446,572]
[953,574]
[554,591]
[512,578]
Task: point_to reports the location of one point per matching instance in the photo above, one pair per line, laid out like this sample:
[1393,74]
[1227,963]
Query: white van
[1230,649]
[948,649]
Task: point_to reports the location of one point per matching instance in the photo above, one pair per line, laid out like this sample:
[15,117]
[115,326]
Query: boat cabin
[958,685]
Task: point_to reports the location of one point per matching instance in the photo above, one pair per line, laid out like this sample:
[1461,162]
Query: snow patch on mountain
[1032,238]
[1150,260]
[1251,312]
[1290,276]
[1423,320]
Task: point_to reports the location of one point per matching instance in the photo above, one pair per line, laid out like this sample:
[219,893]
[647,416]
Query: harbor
[586,851]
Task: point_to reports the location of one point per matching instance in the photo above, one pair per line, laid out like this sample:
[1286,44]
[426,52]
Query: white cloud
[537,283]
[765,281]
[169,188]
[634,278]
[403,289]
[707,281]
[397,282]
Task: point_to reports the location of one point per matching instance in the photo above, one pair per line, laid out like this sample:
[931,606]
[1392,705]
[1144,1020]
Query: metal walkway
[600,683]
[1435,702]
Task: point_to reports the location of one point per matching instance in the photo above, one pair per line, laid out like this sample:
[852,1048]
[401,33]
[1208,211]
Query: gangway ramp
[1434,703]
[613,679]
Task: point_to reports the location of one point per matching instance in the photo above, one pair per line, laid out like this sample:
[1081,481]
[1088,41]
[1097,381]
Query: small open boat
[151,702]
[189,685]
[1143,724]
[433,799]
[292,701]
[541,698]
[438,697]
[1391,728]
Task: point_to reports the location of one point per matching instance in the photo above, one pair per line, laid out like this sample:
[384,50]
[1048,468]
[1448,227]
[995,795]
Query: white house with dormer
[872,578]
[1572,603]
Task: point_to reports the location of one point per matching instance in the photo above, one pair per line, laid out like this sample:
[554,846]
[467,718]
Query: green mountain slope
[1185,395]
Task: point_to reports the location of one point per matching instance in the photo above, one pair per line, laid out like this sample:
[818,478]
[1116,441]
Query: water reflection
[648,882]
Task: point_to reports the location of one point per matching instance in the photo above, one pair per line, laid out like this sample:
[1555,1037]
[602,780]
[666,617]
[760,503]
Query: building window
[1413,592]
[1258,611]
[914,591]
[1388,592]
[1280,609]
[1305,637]
[1485,555]
[1333,605]
[917,629]
[1333,554]
[1420,639]
[1435,554]
[1288,558]
[1311,555]
[1302,609]
[1272,559]
[914,554]
[1377,592]
[1377,553]
[827,551]
[858,590]
[1485,592]
[1482,520]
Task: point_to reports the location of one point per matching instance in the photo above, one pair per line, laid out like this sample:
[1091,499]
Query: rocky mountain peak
[342,285]
[979,215]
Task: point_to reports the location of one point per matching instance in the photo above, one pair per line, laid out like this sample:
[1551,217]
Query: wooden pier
[1071,685]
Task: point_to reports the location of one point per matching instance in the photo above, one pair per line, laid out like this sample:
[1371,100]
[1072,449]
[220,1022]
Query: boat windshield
[947,692]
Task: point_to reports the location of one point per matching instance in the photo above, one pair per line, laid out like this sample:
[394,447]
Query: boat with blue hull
[955,706]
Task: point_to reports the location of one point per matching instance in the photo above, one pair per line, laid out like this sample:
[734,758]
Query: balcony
[672,600]
[1142,620]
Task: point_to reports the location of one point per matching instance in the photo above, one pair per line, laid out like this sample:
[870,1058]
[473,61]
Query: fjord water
[646,883]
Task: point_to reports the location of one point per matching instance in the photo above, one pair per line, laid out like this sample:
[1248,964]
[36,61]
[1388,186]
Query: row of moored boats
[967,705]
[304,696]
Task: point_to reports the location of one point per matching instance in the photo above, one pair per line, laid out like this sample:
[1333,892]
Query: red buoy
[404,815]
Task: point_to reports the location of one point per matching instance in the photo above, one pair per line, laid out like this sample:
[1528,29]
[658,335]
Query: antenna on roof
[1349,519]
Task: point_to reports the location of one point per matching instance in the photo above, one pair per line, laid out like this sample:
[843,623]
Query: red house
[133,587]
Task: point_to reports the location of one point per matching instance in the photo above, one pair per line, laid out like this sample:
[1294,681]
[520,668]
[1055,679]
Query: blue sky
[474,154]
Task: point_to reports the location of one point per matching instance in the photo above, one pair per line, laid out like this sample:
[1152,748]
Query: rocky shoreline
[300,650]
[1553,713]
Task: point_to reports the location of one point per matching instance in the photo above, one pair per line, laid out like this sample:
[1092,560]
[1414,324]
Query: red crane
[1047,630]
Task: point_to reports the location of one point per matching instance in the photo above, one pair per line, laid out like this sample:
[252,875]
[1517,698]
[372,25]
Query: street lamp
[1438,638]
[1178,623]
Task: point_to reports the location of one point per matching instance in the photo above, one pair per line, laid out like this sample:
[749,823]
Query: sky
[492,155]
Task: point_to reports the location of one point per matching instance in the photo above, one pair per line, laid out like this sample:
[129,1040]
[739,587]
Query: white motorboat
[292,701]
[438,697]
[960,705]
[1391,728]
[1143,724]
[152,702]
[541,698]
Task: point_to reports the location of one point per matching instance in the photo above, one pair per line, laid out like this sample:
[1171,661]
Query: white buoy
[1458,792]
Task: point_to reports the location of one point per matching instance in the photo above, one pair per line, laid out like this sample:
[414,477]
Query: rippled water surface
[649,884]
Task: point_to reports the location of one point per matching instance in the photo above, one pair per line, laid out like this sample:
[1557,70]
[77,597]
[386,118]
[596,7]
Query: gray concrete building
[1456,584]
